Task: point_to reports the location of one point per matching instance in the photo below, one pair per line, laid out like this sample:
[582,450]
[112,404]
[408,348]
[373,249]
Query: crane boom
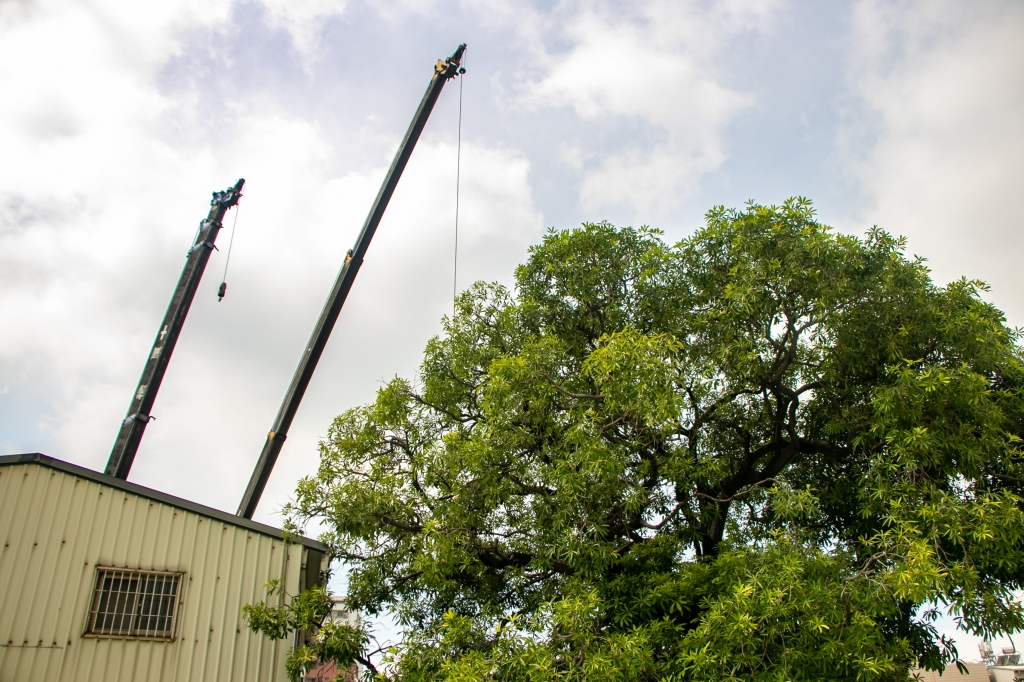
[133,426]
[444,70]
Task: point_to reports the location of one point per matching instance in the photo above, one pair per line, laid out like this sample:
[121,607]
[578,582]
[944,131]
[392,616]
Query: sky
[117,121]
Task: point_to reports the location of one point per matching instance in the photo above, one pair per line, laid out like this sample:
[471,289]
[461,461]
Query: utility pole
[445,70]
[134,425]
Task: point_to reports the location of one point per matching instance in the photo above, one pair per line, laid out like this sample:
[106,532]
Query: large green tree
[769,452]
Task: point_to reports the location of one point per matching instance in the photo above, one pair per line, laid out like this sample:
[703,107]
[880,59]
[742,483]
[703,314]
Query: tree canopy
[768,452]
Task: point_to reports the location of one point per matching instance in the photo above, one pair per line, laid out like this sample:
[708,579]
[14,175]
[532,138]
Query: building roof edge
[156,495]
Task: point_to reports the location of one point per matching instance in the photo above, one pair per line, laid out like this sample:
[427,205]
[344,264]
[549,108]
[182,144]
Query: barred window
[134,603]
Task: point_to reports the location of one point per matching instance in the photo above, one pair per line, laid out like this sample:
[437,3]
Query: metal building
[101,579]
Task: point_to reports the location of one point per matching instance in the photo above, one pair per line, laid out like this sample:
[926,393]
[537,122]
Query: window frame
[96,600]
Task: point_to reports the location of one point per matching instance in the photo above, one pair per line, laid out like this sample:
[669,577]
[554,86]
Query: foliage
[764,453]
[307,613]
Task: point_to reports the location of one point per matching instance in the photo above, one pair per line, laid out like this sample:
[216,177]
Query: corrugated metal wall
[57,527]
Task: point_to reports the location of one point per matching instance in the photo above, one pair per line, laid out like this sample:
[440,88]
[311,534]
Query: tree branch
[579,396]
[742,493]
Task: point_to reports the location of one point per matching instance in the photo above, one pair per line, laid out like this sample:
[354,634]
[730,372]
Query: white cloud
[303,19]
[84,169]
[653,63]
[945,81]
[99,209]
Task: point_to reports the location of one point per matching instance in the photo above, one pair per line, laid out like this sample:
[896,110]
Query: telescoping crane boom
[133,426]
[444,70]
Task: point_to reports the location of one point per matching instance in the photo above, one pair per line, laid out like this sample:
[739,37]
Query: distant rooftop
[976,672]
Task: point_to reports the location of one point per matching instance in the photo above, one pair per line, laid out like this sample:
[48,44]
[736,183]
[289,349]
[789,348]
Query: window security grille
[134,603]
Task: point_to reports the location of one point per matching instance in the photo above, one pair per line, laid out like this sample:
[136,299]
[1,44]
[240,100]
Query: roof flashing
[155,495]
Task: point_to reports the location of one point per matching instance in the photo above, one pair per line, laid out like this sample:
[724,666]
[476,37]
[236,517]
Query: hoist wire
[458,178]
[231,242]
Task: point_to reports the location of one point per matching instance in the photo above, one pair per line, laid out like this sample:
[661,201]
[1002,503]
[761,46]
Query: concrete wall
[57,527]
